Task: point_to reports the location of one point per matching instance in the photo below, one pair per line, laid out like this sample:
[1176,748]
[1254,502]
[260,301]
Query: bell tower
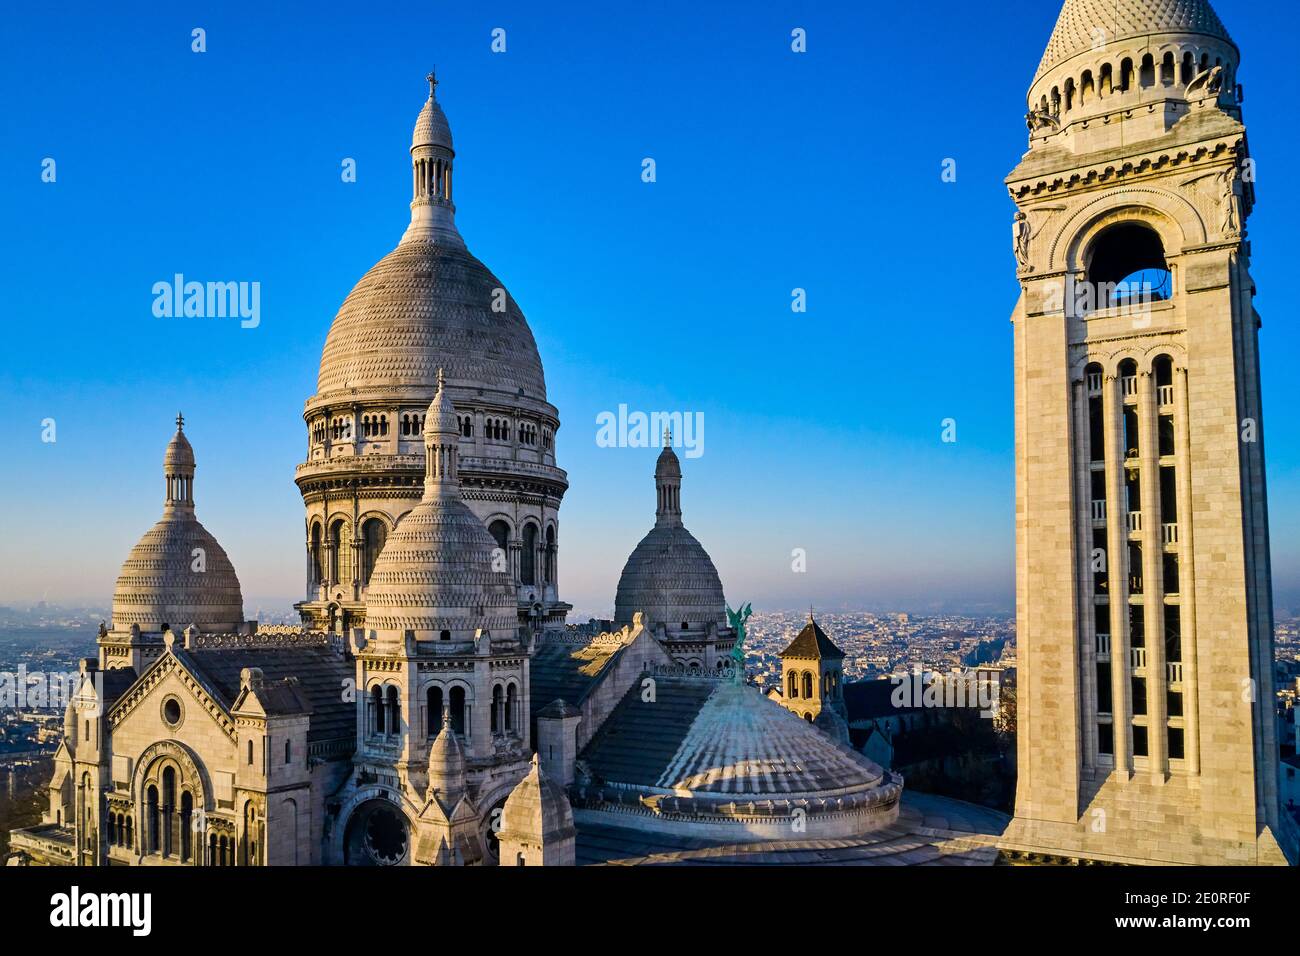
[1143,594]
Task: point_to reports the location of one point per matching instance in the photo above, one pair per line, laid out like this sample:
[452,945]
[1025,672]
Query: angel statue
[738,619]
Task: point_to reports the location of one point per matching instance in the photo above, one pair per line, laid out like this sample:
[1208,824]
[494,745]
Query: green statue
[738,619]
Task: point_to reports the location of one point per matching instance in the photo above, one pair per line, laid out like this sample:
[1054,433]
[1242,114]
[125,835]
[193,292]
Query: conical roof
[1078,26]
[812,644]
[537,808]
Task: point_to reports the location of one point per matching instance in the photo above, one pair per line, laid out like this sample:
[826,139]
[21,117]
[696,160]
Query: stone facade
[1143,595]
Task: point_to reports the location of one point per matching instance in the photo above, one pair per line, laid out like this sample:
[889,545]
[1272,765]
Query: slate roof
[568,669]
[870,699]
[321,674]
[115,683]
[637,742]
[812,644]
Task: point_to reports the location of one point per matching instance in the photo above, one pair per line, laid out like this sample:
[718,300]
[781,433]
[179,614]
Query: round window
[172,711]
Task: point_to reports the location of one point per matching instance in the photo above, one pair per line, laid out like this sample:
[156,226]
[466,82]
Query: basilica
[434,707]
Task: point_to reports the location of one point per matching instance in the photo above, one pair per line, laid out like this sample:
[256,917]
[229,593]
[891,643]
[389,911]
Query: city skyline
[841,435]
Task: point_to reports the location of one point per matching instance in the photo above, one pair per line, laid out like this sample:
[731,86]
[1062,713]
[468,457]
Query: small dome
[158,583]
[431,126]
[1077,26]
[537,809]
[436,574]
[177,574]
[180,453]
[446,762]
[672,579]
[667,465]
[441,418]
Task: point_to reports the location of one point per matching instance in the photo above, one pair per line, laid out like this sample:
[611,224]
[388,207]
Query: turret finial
[433,84]
[180,422]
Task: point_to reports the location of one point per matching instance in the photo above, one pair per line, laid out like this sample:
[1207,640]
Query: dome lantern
[432,157]
[178,469]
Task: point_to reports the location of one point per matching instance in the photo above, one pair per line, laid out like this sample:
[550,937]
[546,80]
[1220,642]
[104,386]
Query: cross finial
[433,83]
[180,421]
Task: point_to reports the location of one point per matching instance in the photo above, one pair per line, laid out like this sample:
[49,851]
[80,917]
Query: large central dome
[429,304]
[426,305]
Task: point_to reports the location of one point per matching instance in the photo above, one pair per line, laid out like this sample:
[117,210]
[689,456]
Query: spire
[441,446]
[668,484]
[432,158]
[178,469]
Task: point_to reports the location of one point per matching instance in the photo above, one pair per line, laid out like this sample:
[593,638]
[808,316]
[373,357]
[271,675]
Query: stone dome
[428,305]
[431,126]
[177,574]
[741,743]
[436,574]
[537,809]
[669,576]
[179,453]
[1126,20]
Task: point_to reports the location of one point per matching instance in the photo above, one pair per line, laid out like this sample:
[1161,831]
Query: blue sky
[775,170]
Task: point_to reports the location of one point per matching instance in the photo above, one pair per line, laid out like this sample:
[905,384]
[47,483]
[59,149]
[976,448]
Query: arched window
[151,819]
[288,752]
[250,753]
[458,718]
[1126,267]
[316,569]
[130,834]
[528,557]
[187,812]
[1147,77]
[1167,70]
[377,709]
[496,709]
[336,551]
[394,711]
[807,684]
[168,810]
[550,555]
[373,535]
[794,686]
[433,709]
[511,708]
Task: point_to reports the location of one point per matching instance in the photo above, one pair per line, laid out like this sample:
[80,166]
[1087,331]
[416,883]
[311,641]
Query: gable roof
[566,668]
[321,675]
